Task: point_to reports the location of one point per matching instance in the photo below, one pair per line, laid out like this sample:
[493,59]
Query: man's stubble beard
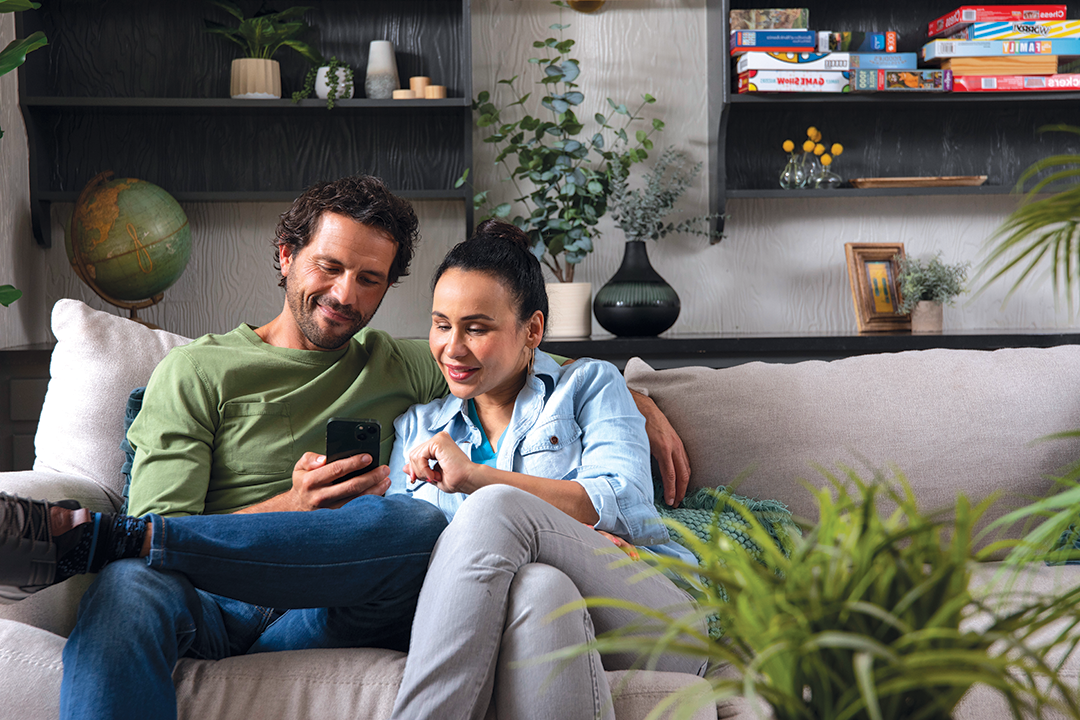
[303,311]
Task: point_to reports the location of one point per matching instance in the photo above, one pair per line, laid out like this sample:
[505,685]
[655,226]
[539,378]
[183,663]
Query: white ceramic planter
[322,87]
[255,79]
[927,317]
[569,310]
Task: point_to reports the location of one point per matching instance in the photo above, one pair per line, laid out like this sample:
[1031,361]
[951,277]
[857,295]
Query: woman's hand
[453,471]
[622,544]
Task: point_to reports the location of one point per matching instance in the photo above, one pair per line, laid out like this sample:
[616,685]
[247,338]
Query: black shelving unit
[884,134]
[140,89]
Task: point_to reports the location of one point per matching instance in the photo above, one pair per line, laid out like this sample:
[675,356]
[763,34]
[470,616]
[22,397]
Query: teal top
[481,454]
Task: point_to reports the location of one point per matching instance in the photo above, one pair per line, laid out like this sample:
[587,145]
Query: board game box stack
[776,51]
[1006,48]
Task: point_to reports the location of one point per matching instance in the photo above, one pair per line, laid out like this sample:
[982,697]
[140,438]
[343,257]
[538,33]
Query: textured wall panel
[781,268]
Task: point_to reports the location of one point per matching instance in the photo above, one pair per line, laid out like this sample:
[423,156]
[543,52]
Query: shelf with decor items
[885,135]
[141,89]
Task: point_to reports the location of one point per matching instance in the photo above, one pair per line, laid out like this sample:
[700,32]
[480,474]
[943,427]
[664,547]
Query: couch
[953,421]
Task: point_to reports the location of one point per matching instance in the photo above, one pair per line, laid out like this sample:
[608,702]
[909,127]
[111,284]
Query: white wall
[781,269]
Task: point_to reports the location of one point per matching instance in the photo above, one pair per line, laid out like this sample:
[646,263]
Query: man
[222,422]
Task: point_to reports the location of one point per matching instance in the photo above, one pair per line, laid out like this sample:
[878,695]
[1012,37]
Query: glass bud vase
[794,175]
[636,301]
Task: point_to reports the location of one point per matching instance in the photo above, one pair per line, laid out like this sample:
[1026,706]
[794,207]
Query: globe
[128,239]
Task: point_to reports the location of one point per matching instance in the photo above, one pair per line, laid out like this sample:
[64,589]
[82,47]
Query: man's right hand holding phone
[316,484]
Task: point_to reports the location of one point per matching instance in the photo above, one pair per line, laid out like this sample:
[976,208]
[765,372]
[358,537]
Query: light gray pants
[505,562]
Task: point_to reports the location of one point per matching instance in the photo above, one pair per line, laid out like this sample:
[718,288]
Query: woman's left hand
[453,471]
[626,547]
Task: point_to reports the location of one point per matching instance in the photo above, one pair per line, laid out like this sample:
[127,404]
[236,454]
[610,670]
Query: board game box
[1033,30]
[793,81]
[837,61]
[769,19]
[967,14]
[901,80]
[848,41]
[938,49]
[1015,83]
[773,41]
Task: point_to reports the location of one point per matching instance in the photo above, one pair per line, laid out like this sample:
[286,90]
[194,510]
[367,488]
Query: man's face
[334,285]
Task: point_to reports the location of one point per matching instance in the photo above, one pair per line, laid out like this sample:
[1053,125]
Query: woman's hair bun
[502,230]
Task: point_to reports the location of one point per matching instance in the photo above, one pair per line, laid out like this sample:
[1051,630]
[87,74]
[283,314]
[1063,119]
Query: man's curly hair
[365,199]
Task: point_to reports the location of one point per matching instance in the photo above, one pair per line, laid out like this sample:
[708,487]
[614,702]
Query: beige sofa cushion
[98,360]
[951,420]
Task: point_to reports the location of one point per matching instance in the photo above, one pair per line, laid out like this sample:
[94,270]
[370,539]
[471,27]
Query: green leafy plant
[864,618]
[640,212]
[930,280]
[339,82]
[9,294]
[14,53]
[558,169]
[266,32]
[1042,230]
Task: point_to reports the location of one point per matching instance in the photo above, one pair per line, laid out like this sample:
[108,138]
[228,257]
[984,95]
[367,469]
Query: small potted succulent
[637,301]
[257,75]
[330,82]
[925,286]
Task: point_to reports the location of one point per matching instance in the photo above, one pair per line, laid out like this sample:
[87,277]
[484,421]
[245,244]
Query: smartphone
[346,437]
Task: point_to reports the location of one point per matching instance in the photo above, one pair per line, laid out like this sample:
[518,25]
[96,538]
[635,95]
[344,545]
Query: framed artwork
[872,272]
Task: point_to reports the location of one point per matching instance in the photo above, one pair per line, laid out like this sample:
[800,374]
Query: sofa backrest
[951,421]
[98,360]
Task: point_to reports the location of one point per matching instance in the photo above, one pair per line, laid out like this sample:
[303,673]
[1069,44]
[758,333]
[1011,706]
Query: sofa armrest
[54,609]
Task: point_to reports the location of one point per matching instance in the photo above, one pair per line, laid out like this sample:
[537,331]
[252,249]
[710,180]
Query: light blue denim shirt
[576,422]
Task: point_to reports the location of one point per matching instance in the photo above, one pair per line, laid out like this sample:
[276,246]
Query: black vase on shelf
[636,301]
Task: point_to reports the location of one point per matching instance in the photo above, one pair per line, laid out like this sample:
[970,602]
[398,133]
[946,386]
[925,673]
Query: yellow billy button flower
[826,160]
[788,146]
[818,149]
[837,148]
[811,132]
[808,146]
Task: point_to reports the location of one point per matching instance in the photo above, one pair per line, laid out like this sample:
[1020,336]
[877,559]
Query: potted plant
[636,301]
[12,56]
[1044,229]
[257,75]
[925,286]
[863,616]
[558,168]
[331,81]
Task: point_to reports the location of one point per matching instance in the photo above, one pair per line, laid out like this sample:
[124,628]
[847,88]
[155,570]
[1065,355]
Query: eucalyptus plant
[558,169]
[865,616]
[640,212]
[1043,230]
[9,294]
[14,54]
[930,280]
[266,32]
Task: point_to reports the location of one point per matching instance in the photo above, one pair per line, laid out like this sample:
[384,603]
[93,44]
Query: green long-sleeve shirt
[226,417]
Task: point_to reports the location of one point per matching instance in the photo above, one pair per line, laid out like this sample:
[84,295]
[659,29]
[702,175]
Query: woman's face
[476,337]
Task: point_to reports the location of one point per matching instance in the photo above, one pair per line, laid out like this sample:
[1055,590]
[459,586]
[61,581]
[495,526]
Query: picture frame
[872,272]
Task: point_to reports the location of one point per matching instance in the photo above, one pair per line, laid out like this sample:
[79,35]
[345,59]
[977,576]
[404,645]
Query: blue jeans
[220,585]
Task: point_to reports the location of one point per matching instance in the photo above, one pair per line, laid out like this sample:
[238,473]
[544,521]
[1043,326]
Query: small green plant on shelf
[1044,230]
[339,82]
[14,53]
[640,212]
[867,614]
[266,32]
[928,280]
[559,171]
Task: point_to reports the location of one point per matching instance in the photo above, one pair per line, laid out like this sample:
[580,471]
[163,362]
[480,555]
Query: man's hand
[316,484]
[667,448]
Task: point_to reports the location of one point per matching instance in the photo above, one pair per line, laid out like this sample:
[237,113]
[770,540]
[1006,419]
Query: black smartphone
[346,437]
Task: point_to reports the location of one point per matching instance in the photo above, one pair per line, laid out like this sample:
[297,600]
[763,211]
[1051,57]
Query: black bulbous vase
[636,301]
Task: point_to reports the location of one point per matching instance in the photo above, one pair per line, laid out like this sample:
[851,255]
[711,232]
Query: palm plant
[1041,230]
[266,32]
[864,619]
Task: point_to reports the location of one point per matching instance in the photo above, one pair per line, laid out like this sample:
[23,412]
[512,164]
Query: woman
[530,460]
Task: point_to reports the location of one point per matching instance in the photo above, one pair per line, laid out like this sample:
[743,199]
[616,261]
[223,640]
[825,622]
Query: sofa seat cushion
[951,420]
[30,671]
[98,359]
